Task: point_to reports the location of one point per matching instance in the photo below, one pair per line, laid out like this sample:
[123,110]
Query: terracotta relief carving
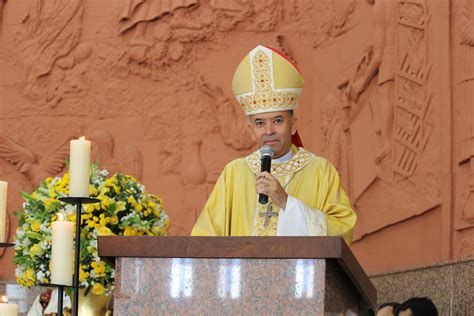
[233,127]
[412,127]
[2,5]
[47,49]
[331,21]
[128,159]
[137,15]
[34,167]
[465,94]
[388,91]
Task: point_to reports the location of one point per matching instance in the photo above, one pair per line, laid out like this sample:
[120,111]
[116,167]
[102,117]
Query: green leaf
[18,214]
[26,196]
[33,235]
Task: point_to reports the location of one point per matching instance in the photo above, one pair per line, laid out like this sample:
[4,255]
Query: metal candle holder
[78,201]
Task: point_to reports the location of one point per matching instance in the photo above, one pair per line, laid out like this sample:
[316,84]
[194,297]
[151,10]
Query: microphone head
[266,151]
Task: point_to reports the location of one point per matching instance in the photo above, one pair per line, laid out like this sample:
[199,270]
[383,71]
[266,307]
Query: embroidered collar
[299,160]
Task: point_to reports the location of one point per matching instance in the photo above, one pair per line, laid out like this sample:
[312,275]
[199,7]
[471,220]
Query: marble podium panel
[184,286]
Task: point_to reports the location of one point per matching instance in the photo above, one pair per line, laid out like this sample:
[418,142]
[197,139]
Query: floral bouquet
[125,209]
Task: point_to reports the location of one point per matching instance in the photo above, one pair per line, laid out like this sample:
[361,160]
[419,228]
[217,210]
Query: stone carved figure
[337,112]
[33,166]
[383,64]
[385,102]
[233,127]
[129,160]
[466,94]
[53,31]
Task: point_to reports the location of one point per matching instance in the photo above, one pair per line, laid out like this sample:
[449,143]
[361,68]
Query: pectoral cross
[267,214]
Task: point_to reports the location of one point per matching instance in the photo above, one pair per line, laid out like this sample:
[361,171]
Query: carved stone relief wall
[378,125]
[464,151]
[149,82]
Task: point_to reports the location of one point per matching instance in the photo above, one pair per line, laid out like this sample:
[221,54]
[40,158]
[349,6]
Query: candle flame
[4,299]
[82,137]
[60,217]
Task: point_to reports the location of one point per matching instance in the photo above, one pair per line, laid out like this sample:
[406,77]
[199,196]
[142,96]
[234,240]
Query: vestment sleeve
[334,203]
[331,216]
[213,220]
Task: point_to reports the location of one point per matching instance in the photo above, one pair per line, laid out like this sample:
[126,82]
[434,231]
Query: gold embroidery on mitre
[264,97]
[296,163]
[260,229]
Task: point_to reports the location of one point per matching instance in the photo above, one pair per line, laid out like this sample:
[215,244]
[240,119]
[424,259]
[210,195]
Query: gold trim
[295,164]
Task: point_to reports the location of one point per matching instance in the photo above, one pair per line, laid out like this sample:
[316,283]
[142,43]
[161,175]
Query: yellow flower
[35,226]
[83,275]
[110,181]
[29,273]
[104,231]
[120,206]
[130,231]
[48,202]
[131,200]
[114,220]
[92,190]
[98,289]
[36,250]
[105,202]
[116,189]
[89,208]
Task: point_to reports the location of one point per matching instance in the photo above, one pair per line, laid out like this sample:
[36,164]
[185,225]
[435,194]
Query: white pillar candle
[8,309]
[79,161]
[61,252]
[3,210]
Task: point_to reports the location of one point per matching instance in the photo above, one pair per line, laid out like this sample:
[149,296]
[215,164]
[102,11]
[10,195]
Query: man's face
[273,129]
[385,311]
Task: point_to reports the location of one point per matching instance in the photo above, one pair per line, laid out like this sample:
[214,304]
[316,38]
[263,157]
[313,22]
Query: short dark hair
[419,306]
[392,304]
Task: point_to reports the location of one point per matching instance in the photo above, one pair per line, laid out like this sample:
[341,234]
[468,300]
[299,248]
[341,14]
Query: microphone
[266,154]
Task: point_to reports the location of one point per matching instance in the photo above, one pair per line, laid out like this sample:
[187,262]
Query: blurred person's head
[386,309]
[416,306]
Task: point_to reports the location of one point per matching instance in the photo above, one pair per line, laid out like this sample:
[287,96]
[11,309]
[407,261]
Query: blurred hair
[419,306]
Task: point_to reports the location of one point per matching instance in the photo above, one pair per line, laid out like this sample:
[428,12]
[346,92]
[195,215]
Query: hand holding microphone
[266,154]
[266,184]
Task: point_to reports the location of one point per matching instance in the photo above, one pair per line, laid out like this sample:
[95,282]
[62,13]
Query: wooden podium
[236,275]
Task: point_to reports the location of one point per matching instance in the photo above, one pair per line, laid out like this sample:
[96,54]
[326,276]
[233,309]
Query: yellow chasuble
[233,209]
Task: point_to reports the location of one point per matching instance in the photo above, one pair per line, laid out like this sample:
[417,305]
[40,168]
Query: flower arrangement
[125,209]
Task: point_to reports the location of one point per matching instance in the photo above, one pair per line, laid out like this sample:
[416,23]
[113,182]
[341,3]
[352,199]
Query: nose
[269,130]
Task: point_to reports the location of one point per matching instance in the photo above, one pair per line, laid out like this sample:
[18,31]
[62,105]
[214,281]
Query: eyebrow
[275,117]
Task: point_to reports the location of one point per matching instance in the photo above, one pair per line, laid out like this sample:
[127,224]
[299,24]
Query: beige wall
[388,99]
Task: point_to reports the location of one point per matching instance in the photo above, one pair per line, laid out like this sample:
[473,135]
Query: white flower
[40,275]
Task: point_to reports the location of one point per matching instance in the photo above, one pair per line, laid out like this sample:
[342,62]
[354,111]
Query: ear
[293,125]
